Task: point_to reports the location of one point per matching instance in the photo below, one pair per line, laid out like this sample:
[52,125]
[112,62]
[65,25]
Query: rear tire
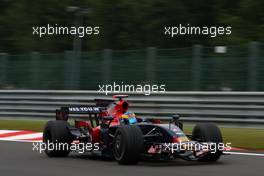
[57,133]
[208,132]
[128,144]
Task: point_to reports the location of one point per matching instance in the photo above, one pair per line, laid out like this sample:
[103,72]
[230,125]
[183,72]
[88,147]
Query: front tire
[208,132]
[128,144]
[57,133]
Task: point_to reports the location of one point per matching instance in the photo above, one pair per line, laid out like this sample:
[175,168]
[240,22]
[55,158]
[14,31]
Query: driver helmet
[130,117]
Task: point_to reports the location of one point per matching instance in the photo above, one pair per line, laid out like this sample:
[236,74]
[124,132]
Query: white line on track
[17,140]
[243,153]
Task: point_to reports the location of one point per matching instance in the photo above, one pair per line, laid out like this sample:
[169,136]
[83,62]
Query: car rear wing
[92,111]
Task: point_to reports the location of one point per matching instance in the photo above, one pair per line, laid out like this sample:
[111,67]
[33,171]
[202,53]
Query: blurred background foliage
[128,24]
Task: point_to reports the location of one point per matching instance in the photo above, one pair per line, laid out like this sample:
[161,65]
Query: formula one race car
[121,135]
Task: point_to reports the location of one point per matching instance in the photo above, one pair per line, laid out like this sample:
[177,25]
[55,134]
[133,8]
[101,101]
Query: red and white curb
[20,136]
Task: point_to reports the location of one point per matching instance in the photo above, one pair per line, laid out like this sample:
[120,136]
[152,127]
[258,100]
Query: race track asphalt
[18,159]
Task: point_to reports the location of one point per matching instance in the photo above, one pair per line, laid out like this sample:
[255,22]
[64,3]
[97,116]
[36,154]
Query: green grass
[248,138]
[22,125]
[244,138]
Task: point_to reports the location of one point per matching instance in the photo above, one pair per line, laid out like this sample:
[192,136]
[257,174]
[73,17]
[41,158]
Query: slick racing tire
[128,144]
[208,132]
[57,138]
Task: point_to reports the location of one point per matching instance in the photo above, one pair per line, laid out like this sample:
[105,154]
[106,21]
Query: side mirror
[105,121]
[175,117]
[107,118]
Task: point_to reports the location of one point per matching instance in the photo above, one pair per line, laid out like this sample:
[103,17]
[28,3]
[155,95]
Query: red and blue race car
[121,135]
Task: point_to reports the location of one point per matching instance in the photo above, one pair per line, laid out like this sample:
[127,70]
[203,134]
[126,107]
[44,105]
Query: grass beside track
[247,138]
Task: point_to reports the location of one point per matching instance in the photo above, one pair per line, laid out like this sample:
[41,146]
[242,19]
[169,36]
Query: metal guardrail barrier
[227,107]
